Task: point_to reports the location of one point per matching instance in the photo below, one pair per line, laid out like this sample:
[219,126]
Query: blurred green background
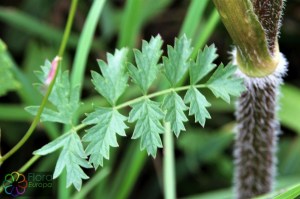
[32,31]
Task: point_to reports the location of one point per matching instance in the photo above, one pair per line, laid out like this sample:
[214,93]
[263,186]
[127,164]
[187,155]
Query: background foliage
[32,31]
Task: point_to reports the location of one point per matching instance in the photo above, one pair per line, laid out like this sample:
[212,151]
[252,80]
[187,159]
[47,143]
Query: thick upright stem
[249,36]
[253,25]
[256,139]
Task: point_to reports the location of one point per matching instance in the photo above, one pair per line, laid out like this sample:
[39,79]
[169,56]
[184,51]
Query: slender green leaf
[151,10]
[91,184]
[26,23]
[126,176]
[206,31]
[292,192]
[193,17]
[131,23]
[289,112]
[282,183]
[85,42]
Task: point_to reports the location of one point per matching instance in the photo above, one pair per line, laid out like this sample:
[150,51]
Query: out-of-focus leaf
[63,96]
[289,113]
[7,81]
[196,143]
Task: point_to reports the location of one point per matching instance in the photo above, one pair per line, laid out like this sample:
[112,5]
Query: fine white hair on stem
[257,131]
[277,75]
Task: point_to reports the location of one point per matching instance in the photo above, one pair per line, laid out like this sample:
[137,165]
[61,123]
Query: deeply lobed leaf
[72,157]
[147,115]
[107,122]
[177,62]
[147,63]
[175,107]
[223,84]
[113,81]
[63,96]
[198,104]
[203,65]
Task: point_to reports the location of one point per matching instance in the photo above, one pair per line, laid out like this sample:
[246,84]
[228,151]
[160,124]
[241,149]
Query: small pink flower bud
[53,69]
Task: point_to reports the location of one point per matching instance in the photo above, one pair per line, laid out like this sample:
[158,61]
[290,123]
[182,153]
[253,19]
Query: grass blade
[85,42]
[26,23]
[193,18]
[128,172]
[207,28]
[131,24]
[91,184]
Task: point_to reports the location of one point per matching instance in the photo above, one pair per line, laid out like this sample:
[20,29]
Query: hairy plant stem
[256,138]
[48,92]
[253,25]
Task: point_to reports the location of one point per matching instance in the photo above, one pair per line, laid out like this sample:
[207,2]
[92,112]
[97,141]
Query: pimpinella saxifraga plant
[147,114]
[254,25]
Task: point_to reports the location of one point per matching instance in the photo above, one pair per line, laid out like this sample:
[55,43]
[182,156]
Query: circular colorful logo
[15,184]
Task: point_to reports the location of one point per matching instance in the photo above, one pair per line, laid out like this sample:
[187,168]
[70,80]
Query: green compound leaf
[204,64]
[177,62]
[113,81]
[223,83]
[147,115]
[198,104]
[107,122]
[64,97]
[7,81]
[147,63]
[175,107]
[72,157]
